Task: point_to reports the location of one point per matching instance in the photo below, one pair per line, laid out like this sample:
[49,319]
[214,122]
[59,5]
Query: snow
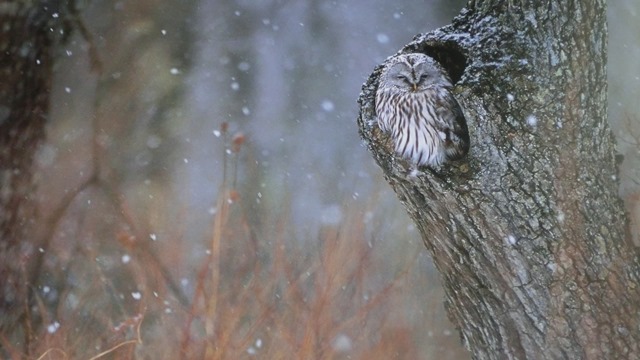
[327,105]
[382,38]
[510,97]
[368,216]
[153,237]
[174,71]
[532,120]
[53,327]
[125,259]
[331,215]
[301,104]
[341,343]
[136,295]
[153,141]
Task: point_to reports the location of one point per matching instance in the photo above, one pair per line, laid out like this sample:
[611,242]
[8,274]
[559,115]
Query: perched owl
[415,104]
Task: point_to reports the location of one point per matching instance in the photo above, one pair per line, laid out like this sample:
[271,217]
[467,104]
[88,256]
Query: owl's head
[414,72]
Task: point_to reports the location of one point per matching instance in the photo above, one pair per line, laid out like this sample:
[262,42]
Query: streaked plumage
[415,104]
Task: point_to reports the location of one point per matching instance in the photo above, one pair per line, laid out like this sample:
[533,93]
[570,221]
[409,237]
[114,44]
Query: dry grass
[106,288]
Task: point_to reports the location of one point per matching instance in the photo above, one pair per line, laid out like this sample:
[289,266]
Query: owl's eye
[423,77]
[401,77]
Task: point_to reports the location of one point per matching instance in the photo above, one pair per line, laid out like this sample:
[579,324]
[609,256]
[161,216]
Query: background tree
[528,232]
[29,30]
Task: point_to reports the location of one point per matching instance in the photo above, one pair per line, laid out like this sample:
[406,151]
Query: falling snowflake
[53,327]
[382,38]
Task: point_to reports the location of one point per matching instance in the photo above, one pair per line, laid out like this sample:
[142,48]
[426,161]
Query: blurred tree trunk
[528,231]
[26,37]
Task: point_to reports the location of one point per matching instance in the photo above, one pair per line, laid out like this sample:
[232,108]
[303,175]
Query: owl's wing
[451,121]
[384,112]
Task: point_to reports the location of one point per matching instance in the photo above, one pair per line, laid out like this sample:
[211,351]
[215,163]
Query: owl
[415,105]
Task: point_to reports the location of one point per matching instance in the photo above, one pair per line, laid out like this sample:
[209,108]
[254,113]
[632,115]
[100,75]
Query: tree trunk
[527,231]
[27,32]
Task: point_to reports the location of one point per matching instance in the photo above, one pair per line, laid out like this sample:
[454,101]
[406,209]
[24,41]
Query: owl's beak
[415,87]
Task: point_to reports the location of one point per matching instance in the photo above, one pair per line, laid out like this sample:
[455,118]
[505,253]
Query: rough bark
[527,231]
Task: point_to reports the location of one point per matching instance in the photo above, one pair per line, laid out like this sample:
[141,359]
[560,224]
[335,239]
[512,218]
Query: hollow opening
[449,54]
